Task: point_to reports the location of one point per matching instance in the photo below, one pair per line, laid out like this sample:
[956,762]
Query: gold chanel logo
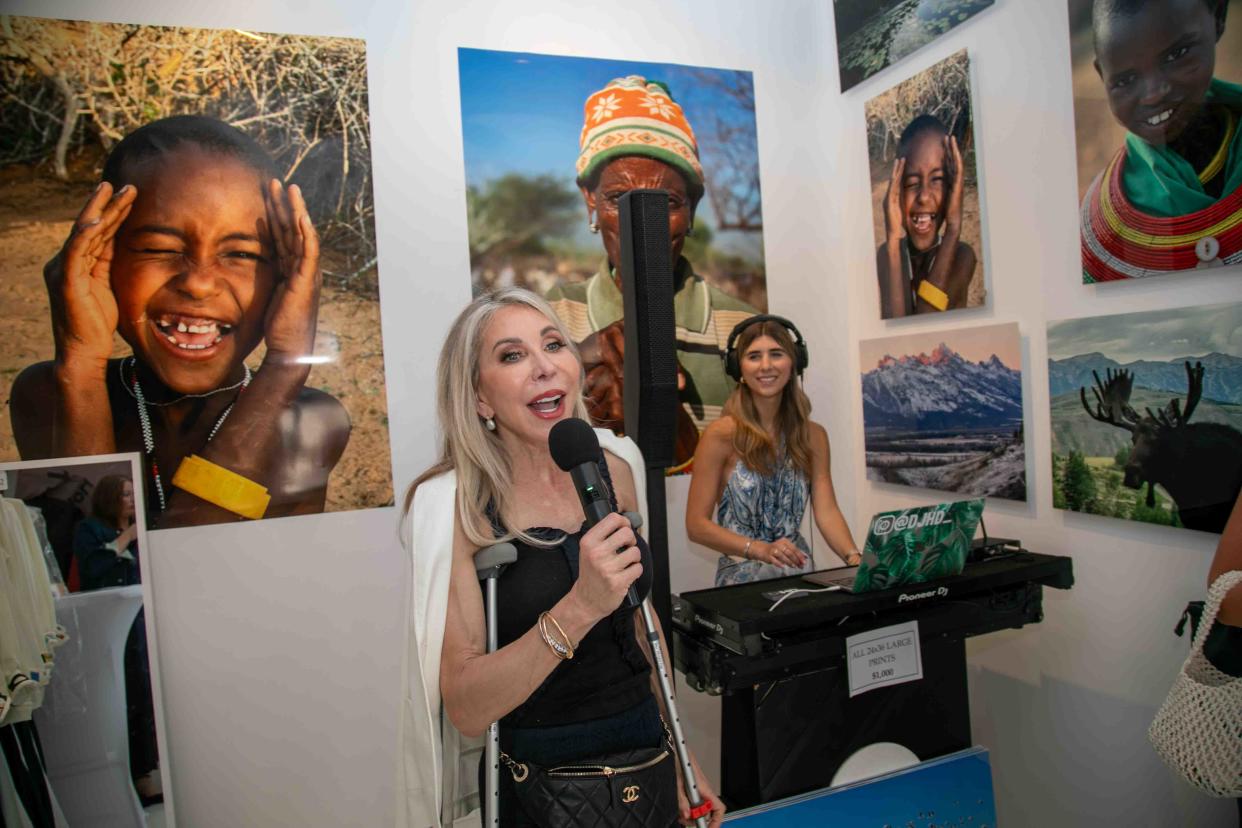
[630,794]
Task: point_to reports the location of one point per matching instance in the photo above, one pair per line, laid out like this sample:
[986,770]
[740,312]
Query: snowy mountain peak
[941,390]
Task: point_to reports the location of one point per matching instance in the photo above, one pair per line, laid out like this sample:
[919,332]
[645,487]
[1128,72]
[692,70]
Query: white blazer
[437,766]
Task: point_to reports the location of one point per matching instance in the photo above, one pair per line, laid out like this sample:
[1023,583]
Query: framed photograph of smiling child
[925,193]
[1157,101]
[189,264]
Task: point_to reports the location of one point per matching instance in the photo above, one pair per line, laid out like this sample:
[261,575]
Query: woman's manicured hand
[608,562]
[782,552]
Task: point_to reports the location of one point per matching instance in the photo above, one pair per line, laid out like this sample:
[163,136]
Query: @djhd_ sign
[887,524]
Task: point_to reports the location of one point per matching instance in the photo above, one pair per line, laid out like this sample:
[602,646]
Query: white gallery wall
[280,641]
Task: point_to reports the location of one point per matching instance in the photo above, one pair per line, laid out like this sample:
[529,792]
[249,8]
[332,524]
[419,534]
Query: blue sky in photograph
[523,112]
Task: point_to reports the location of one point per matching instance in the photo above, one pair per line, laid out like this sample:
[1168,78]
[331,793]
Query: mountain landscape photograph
[943,411]
[1146,413]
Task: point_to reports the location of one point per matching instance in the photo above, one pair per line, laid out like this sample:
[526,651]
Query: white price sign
[884,657]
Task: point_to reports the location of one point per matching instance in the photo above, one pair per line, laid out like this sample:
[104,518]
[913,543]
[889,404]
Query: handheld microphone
[575,448]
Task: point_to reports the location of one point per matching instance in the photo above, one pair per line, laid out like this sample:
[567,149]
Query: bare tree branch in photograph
[728,150]
[942,90]
[303,98]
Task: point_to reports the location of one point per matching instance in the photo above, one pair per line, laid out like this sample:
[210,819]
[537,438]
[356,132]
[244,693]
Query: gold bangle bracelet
[568,641]
[564,651]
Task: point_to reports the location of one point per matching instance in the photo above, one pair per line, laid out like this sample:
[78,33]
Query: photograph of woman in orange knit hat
[551,143]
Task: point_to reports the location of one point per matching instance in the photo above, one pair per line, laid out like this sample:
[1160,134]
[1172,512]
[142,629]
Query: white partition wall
[280,640]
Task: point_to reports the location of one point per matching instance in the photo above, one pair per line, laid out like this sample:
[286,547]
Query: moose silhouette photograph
[1147,415]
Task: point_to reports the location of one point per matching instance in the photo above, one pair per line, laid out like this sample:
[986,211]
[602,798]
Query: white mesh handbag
[1198,729]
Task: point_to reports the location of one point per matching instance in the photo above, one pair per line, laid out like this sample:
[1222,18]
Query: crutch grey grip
[493,558]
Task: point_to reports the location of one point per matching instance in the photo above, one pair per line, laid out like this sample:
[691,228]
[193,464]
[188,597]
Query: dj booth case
[787,719]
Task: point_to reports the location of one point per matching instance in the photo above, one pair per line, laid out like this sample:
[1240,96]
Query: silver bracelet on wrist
[746,549]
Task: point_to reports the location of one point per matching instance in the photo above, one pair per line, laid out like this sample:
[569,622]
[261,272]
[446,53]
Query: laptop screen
[909,546]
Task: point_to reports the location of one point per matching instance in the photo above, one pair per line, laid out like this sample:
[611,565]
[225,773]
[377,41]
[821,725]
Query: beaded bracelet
[563,651]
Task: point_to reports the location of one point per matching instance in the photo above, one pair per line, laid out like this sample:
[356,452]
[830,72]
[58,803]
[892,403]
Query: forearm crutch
[488,563]
[699,809]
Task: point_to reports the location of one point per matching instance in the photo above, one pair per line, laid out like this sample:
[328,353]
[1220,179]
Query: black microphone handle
[596,501]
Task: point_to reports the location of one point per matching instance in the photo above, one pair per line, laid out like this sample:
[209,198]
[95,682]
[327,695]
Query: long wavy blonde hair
[484,471]
[751,441]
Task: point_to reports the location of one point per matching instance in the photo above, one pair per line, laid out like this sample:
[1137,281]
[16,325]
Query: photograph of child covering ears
[1156,109]
[924,193]
[186,301]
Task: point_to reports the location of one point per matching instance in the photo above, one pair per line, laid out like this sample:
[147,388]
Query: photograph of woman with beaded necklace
[214,303]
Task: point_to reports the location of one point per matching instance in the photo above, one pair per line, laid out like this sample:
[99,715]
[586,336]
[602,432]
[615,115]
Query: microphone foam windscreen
[572,443]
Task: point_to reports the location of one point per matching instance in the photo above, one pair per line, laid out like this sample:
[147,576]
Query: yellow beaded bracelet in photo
[226,489]
[933,295]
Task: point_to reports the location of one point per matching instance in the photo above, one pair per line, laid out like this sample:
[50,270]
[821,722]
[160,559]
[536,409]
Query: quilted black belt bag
[628,789]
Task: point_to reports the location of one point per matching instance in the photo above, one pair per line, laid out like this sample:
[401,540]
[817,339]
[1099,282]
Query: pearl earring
[490,424]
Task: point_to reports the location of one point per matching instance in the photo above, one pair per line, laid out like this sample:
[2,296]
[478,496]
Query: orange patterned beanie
[635,116]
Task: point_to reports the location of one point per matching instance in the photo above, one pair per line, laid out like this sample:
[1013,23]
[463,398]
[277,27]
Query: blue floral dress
[765,509]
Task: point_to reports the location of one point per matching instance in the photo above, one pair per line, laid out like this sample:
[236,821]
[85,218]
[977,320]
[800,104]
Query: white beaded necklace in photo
[144,420]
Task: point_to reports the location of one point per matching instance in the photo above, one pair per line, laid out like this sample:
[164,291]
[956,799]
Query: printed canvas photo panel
[943,410]
[187,247]
[551,144]
[925,193]
[874,34]
[1147,415]
[1157,98]
[78,660]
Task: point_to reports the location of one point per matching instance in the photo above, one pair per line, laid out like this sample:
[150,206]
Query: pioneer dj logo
[711,625]
[887,524]
[938,592]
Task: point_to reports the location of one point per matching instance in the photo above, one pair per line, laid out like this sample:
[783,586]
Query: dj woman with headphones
[762,461]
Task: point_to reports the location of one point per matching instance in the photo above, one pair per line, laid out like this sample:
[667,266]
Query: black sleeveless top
[609,672]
